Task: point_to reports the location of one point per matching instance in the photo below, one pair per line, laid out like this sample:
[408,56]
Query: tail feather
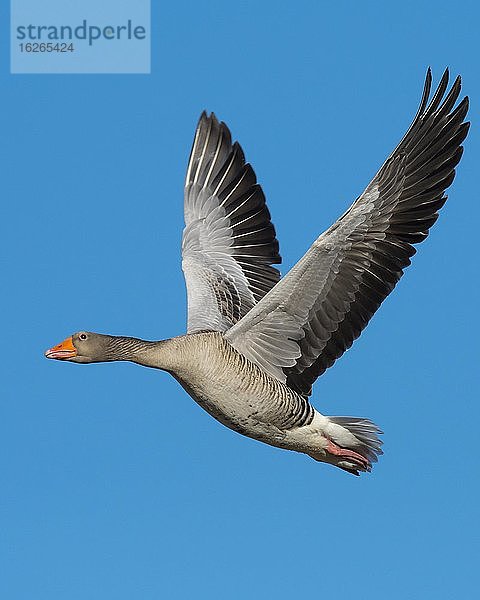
[366,434]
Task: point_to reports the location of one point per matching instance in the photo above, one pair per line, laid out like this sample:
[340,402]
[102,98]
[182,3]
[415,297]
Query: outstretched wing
[315,313]
[229,242]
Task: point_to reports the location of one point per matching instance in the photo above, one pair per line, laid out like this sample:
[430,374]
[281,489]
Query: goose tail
[350,443]
[355,435]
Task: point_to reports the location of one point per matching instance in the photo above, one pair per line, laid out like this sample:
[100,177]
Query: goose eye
[83,336]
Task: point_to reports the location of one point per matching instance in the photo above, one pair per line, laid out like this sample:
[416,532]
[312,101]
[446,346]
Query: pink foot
[350,455]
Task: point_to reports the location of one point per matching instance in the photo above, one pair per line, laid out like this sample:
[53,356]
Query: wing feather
[330,295]
[229,243]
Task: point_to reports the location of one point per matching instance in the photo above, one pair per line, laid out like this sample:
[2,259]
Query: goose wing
[315,313]
[229,242]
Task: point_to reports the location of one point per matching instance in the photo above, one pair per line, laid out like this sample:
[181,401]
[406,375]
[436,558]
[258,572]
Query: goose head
[82,347]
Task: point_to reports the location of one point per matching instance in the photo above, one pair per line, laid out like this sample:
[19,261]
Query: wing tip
[206,118]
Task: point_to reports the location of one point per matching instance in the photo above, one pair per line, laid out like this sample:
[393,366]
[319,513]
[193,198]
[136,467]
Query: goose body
[236,391]
[255,344]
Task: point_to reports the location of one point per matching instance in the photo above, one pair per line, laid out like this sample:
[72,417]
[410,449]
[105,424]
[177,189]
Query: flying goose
[255,344]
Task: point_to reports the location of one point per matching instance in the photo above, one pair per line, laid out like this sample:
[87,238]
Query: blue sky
[115,485]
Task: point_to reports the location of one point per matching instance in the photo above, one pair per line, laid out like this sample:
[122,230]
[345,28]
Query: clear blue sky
[114,484]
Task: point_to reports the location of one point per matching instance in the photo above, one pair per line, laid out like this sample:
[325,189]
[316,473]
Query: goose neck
[158,354]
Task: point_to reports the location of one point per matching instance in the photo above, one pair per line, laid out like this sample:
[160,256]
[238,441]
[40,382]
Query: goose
[256,343]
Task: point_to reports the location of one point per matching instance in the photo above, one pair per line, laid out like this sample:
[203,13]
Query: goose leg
[349,455]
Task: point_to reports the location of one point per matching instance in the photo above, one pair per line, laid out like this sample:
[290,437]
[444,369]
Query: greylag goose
[255,344]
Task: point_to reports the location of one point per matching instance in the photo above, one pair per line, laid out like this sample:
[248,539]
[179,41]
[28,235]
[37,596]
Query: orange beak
[62,351]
